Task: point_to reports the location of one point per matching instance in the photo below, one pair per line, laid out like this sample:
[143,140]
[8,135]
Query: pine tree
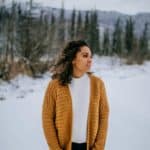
[52,35]
[144,41]
[129,35]
[94,33]
[79,27]
[72,26]
[10,31]
[106,43]
[87,27]
[61,27]
[3,19]
[117,38]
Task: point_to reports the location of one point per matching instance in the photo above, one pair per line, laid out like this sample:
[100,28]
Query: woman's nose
[90,59]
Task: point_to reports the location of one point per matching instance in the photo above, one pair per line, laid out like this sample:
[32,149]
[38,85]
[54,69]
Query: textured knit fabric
[80,89]
[57,116]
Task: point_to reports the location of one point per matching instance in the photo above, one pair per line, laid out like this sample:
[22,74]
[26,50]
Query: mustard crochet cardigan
[57,116]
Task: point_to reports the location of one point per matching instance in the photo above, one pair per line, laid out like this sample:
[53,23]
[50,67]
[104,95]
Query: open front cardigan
[57,115]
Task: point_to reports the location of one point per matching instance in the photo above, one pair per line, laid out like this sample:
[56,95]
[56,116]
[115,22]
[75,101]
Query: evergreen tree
[87,27]
[79,27]
[61,27]
[94,33]
[117,38]
[72,26]
[129,35]
[52,35]
[144,41]
[10,33]
[106,43]
[3,19]
[31,4]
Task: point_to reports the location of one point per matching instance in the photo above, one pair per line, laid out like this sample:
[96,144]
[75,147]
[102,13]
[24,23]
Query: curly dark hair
[62,68]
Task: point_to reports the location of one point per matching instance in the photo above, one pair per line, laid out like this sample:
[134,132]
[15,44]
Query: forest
[29,42]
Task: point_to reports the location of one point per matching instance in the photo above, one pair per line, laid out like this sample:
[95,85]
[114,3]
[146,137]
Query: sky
[124,6]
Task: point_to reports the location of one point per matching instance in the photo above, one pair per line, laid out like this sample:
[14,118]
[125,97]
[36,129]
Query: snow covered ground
[128,94]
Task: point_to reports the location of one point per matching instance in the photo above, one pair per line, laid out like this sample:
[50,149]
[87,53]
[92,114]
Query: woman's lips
[88,65]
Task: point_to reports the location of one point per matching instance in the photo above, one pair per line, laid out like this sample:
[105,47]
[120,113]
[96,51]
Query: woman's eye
[85,55]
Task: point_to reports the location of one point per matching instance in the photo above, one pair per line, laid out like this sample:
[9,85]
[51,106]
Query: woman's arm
[103,117]
[48,116]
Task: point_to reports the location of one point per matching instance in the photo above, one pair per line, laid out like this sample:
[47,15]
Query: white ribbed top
[80,93]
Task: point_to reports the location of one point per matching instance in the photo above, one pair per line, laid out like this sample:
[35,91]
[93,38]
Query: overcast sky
[125,6]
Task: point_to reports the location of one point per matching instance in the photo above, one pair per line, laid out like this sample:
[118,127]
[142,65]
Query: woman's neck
[78,74]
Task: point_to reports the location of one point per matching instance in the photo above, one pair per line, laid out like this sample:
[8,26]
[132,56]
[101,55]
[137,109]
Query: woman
[75,108]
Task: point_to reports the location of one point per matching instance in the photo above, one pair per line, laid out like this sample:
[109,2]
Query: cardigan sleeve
[103,118]
[48,117]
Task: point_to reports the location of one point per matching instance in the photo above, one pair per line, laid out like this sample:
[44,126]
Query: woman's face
[83,60]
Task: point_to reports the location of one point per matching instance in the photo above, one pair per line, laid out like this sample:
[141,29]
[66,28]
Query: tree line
[26,38]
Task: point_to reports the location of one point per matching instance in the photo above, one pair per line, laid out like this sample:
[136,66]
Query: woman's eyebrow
[84,52]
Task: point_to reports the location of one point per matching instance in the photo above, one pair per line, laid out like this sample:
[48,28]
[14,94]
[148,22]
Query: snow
[129,99]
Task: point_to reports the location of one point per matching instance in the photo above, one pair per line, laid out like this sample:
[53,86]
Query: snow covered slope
[128,94]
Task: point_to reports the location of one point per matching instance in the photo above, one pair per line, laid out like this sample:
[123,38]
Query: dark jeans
[78,146]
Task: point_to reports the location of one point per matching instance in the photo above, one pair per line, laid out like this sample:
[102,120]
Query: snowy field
[128,94]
